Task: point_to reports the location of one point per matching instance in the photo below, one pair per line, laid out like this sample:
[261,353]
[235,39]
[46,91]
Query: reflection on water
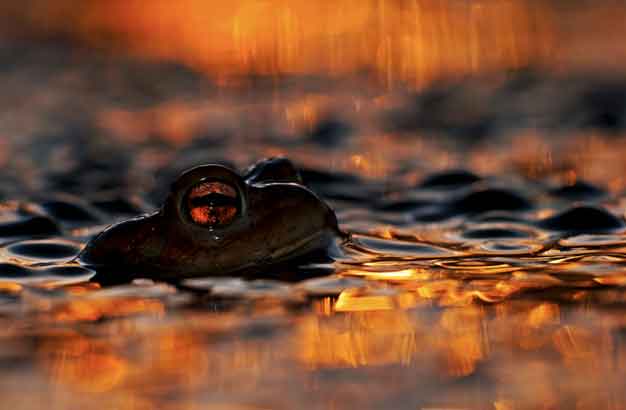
[500,299]
[486,266]
[516,354]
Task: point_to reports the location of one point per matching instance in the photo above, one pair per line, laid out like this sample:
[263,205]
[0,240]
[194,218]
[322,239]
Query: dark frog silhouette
[216,222]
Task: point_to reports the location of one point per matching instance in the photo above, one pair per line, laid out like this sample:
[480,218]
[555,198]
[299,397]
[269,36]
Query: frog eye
[212,204]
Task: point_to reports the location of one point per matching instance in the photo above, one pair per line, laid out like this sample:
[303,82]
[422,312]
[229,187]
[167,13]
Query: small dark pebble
[494,233]
[578,190]
[450,179]
[582,219]
[492,199]
[44,250]
[68,212]
[29,226]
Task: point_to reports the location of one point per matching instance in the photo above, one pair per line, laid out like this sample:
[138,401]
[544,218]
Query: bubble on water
[401,248]
[478,266]
[51,275]
[507,248]
[496,233]
[583,219]
[44,249]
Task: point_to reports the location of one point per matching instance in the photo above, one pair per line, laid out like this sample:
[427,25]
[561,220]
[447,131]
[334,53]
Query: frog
[217,222]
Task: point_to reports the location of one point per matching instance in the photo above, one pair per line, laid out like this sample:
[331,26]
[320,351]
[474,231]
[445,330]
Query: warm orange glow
[414,41]
[88,365]
[532,352]
[402,274]
[89,310]
[10,287]
[462,345]
[364,338]
[459,325]
[354,301]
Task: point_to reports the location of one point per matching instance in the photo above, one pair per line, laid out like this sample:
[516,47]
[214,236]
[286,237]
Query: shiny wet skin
[216,222]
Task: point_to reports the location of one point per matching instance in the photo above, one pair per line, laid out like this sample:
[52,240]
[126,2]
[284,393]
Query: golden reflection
[581,348]
[82,289]
[93,309]
[324,306]
[304,114]
[10,287]
[462,344]
[544,314]
[357,300]
[360,339]
[529,353]
[86,364]
[618,279]
[402,274]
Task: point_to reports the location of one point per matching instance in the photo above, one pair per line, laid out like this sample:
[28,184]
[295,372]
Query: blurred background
[360,85]
[467,290]
[367,86]
[370,86]
[400,42]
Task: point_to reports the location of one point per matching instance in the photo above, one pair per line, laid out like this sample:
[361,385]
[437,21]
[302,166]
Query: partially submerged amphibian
[217,222]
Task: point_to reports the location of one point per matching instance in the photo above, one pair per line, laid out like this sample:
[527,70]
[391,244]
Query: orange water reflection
[458,331]
[482,335]
[527,354]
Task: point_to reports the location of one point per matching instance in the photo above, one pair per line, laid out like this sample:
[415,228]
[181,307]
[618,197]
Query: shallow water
[486,266]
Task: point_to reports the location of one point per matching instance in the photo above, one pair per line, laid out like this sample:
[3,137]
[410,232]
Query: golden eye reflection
[212,204]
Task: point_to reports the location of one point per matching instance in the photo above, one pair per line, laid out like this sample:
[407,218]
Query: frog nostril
[212,203]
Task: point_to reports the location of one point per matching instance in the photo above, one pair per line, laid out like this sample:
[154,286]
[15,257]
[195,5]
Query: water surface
[486,266]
